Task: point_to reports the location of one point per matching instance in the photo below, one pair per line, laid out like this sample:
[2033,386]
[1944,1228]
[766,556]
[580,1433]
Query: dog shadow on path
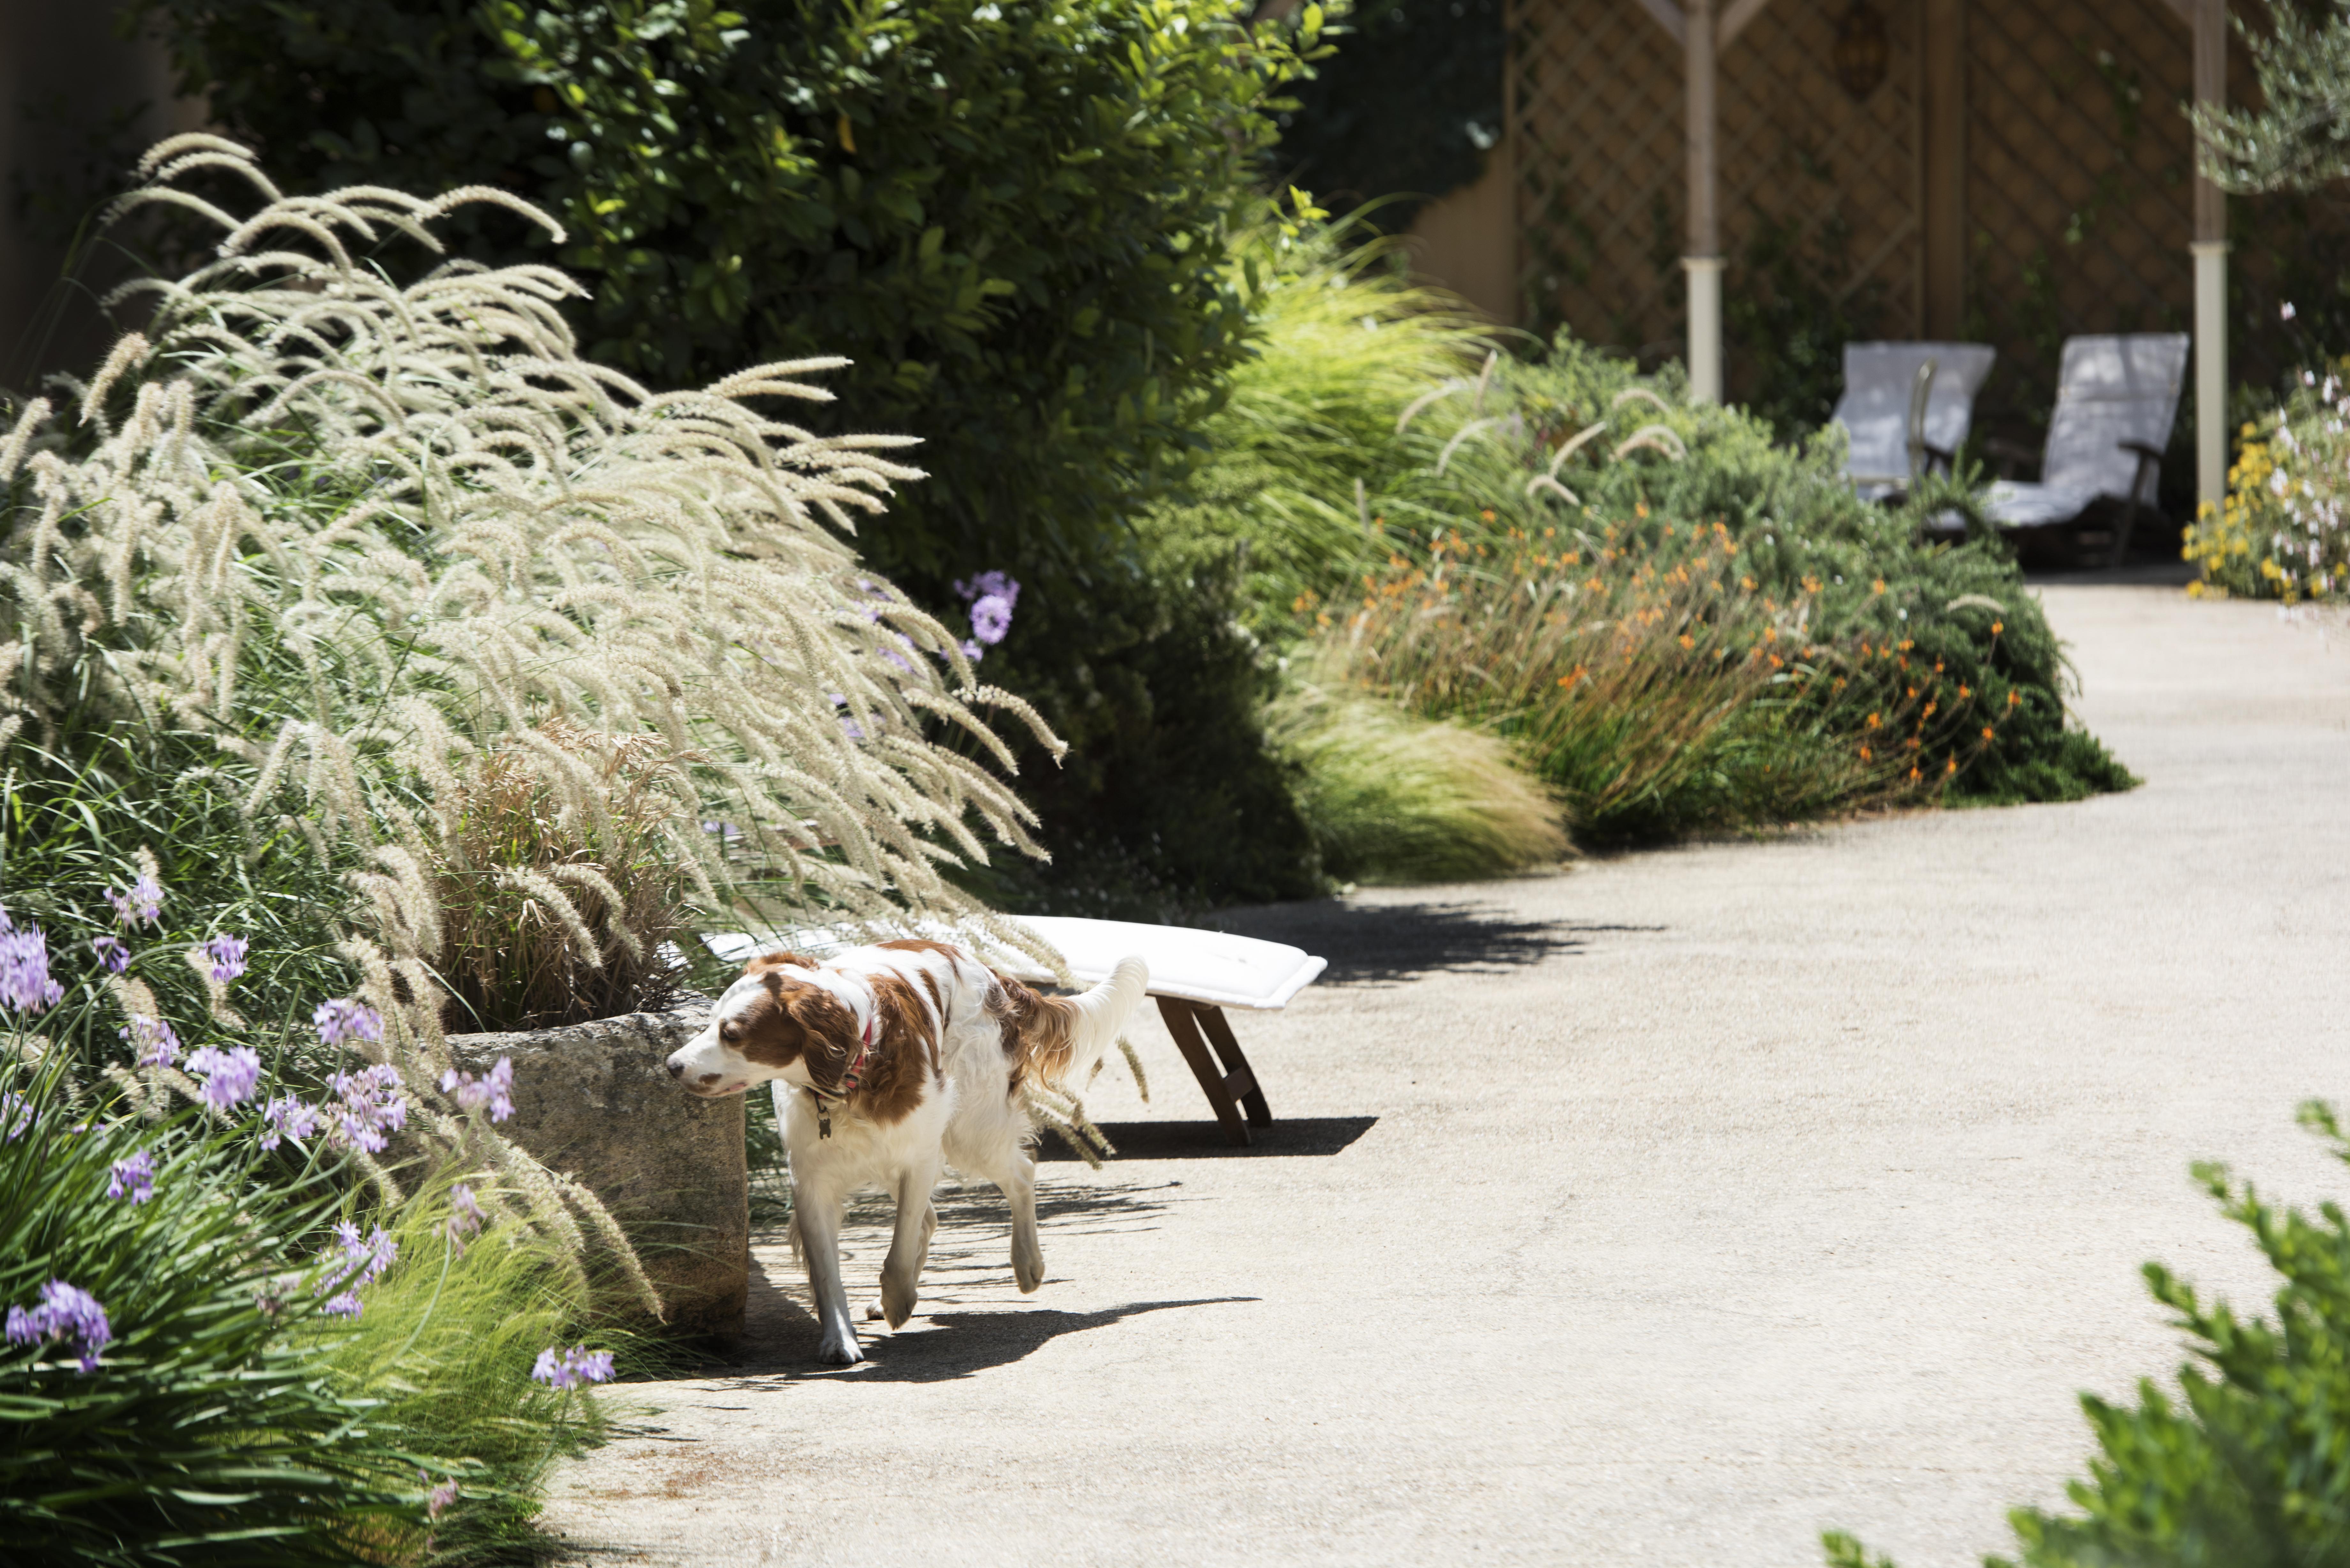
[1391,944]
[778,1346]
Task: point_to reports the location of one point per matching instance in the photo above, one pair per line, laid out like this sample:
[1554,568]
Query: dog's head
[784,1019]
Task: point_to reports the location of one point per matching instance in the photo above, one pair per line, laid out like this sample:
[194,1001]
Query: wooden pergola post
[2210,20]
[1701,259]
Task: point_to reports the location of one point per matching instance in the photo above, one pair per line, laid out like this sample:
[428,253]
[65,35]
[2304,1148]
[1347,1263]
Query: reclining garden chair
[1907,406]
[2115,400]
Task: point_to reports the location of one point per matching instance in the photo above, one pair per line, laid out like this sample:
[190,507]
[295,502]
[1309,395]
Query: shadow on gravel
[1205,1141]
[1390,944]
[778,1346]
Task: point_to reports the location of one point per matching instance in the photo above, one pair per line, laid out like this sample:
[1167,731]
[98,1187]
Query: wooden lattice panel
[1601,195]
[2079,181]
[1596,99]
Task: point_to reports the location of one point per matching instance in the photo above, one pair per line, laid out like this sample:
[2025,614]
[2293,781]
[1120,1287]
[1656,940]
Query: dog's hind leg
[910,1247]
[817,1216]
[1015,1174]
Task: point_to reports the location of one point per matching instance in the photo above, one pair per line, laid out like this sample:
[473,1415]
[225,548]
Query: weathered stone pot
[594,1100]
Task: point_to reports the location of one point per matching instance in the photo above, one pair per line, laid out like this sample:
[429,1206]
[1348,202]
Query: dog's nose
[676,1068]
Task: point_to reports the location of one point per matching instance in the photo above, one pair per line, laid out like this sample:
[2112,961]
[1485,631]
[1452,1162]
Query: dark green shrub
[2244,1465]
[1015,219]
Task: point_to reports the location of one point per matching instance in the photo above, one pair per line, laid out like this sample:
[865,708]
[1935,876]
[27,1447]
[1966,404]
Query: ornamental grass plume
[391,545]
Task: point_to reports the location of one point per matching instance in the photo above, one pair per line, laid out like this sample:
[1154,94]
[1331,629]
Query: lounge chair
[2117,398]
[1194,976]
[1907,407]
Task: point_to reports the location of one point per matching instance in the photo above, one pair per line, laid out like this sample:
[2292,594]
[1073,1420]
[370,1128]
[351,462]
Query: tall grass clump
[1394,797]
[2243,1462]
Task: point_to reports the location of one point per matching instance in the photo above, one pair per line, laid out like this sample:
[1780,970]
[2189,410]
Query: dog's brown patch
[923,945]
[905,1054]
[779,958]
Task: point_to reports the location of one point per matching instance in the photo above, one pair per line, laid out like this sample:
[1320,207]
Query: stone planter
[596,1102]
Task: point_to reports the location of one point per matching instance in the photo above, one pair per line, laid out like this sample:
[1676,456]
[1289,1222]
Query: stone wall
[594,1100]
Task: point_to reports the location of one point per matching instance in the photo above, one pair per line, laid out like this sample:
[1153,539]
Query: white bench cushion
[1208,967]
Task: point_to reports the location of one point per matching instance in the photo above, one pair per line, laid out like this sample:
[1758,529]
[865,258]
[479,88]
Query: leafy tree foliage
[2300,136]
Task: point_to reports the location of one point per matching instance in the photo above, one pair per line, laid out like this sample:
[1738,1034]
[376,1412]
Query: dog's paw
[839,1352]
[873,1313]
[897,1306]
[1028,1272]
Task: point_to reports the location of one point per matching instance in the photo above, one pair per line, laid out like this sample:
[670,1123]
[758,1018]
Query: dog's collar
[850,1076]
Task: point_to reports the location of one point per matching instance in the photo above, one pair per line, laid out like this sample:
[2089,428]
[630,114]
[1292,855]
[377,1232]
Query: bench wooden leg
[1223,1089]
[1236,1066]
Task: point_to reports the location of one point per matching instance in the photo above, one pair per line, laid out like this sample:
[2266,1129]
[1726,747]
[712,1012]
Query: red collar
[850,1076]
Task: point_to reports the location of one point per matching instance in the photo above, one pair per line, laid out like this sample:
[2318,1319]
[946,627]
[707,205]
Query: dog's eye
[730,1032]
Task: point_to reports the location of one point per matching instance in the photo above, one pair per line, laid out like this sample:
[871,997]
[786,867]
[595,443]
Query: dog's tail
[1060,1040]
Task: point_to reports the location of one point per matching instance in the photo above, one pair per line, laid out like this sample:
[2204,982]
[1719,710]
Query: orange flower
[1487,515]
[2013,698]
[1874,720]
[1913,773]
[1996,628]
[1950,764]
[1777,662]
[1746,583]
[1688,641]
[1986,731]
[1639,509]
[1877,586]
[1864,753]
[1964,693]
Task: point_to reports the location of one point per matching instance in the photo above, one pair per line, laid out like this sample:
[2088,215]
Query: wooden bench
[1194,976]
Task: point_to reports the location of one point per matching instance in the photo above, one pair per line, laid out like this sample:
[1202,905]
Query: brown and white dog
[888,1064]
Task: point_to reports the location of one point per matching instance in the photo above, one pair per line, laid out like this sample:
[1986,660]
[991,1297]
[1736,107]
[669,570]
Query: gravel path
[1664,1212]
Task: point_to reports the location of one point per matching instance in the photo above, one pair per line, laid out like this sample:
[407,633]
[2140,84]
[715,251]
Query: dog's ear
[779,958]
[827,1030]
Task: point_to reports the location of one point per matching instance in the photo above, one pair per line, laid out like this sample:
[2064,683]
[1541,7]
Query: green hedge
[1016,218]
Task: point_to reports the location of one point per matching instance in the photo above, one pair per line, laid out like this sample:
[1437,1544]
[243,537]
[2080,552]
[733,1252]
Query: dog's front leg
[910,1246]
[816,1214]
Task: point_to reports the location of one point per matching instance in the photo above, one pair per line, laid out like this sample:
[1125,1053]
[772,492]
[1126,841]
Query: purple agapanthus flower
[367,1106]
[494,1089]
[111,954]
[24,982]
[571,1368]
[133,1179]
[437,1500]
[991,618]
[465,1217]
[345,1019]
[363,1263]
[988,585]
[227,954]
[153,1040]
[141,906]
[65,1313]
[16,1115]
[230,1076]
[288,1117]
[344,1305]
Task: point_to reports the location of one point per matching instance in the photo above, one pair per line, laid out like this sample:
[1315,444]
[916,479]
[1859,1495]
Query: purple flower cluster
[991,595]
[133,1179]
[153,1038]
[465,1217]
[346,1018]
[111,954]
[65,1313]
[16,1115]
[368,1104]
[227,955]
[230,1076]
[141,905]
[437,1500]
[24,982]
[573,1367]
[494,1089]
[363,1263]
[289,1117]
